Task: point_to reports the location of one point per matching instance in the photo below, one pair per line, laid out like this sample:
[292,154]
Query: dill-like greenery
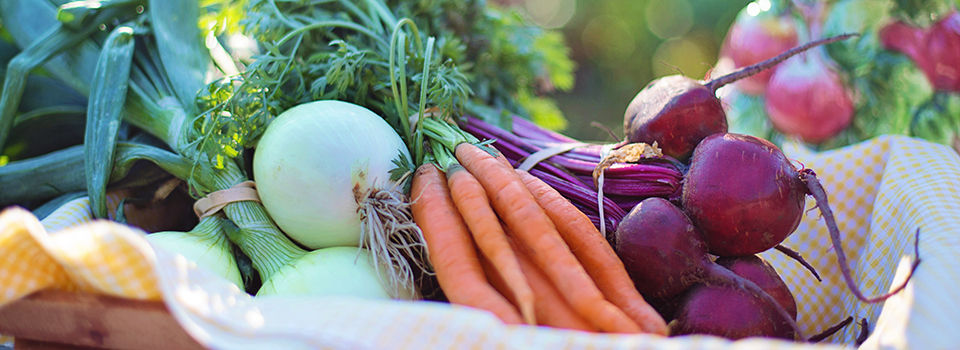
[448,56]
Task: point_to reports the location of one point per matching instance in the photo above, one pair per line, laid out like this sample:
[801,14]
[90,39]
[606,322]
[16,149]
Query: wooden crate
[53,319]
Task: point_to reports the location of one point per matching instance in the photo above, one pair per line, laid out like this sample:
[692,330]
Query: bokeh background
[620,45]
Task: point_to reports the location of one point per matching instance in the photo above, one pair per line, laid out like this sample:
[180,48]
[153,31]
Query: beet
[936,50]
[667,308]
[675,111]
[807,98]
[746,197]
[759,271]
[743,194]
[728,312]
[756,37]
[660,248]
[678,112]
[664,255]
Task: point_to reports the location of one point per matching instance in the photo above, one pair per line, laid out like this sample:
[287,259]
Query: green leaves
[341,49]
[856,16]
[179,41]
[344,69]
[923,13]
[555,59]
[54,41]
[939,120]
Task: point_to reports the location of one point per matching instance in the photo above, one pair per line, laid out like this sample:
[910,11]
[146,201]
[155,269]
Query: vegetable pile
[897,77]
[740,196]
[373,149]
[330,121]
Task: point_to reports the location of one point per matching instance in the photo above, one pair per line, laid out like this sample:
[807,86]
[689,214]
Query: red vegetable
[728,312]
[754,38]
[665,255]
[746,197]
[678,112]
[743,193]
[935,50]
[806,98]
[660,248]
[759,271]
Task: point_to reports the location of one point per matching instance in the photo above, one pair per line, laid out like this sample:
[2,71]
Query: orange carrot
[519,210]
[451,249]
[596,254]
[484,225]
[550,307]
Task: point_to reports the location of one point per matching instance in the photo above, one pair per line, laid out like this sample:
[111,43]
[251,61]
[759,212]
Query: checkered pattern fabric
[881,191]
[100,257]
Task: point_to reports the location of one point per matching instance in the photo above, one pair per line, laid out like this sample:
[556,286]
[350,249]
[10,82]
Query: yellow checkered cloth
[881,191]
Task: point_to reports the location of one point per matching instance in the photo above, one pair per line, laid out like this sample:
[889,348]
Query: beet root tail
[830,331]
[752,69]
[793,254]
[816,190]
[864,332]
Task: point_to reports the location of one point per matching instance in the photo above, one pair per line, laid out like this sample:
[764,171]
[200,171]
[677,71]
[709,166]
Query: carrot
[484,225]
[519,210]
[451,249]
[596,254]
[550,307]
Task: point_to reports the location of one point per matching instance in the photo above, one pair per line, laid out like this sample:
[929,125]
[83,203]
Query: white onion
[206,245]
[315,161]
[337,271]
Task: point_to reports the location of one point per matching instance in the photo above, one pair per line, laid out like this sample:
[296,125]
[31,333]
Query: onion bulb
[337,271]
[313,163]
[323,172]
[206,245]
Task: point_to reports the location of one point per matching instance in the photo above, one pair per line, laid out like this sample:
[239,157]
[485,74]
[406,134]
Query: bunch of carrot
[503,241]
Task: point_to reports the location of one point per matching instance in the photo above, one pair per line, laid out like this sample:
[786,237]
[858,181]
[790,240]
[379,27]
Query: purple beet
[677,112]
[728,312]
[665,255]
[759,271]
[660,248]
[743,194]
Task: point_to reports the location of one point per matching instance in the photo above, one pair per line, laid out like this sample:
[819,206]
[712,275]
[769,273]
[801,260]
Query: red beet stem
[717,275]
[816,190]
[793,254]
[830,331]
[527,129]
[755,68]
